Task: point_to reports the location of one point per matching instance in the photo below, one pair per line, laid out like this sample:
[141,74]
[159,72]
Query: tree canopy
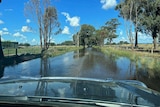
[145,14]
[89,36]
[46,17]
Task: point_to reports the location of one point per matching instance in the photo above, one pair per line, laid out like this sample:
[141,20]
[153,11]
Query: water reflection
[1,71]
[88,63]
[85,89]
[44,67]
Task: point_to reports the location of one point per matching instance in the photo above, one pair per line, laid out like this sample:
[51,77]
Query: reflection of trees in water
[1,71]
[92,90]
[41,89]
[44,70]
[79,53]
[44,67]
[94,59]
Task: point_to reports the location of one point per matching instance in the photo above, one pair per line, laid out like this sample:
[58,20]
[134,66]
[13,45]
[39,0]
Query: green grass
[22,50]
[59,50]
[143,61]
[52,51]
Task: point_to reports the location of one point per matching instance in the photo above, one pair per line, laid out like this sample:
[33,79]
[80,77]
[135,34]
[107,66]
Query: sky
[15,26]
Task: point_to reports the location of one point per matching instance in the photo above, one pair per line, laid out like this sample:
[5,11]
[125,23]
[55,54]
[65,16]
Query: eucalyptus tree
[100,36]
[46,18]
[150,19]
[145,14]
[125,8]
[76,39]
[50,23]
[85,34]
[110,29]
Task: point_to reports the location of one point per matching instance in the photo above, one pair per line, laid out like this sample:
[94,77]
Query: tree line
[142,15]
[88,35]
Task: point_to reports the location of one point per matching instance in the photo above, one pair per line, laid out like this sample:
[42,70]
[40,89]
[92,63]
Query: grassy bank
[32,52]
[144,61]
[52,51]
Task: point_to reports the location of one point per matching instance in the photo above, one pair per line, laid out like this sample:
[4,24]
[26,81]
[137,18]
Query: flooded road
[88,63]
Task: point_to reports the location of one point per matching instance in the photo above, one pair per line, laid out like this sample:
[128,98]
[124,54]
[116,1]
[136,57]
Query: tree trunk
[136,35]
[136,39]
[155,42]
[1,51]
[40,35]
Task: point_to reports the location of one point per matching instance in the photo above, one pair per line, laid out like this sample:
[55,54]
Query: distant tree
[52,44]
[123,42]
[76,38]
[67,43]
[1,51]
[101,34]
[85,34]
[111,28]
[24,44]
[46,18]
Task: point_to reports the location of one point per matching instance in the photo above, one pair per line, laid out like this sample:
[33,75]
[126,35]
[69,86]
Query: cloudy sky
[15,26]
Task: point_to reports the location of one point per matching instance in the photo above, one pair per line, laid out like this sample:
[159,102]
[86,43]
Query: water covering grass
[147,62]
[58,50]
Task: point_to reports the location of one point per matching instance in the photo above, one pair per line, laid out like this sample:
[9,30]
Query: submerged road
[88,63]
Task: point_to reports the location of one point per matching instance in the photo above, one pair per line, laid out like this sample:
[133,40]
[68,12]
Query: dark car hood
[121,91]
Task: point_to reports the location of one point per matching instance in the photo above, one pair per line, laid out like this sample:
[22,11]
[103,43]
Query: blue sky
[15,26]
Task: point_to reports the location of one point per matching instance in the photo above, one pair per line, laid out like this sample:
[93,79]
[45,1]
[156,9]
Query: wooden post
[1,50]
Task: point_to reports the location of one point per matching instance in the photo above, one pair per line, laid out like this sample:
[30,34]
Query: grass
[22,50]
[59,50]
[144,61]
[52,51]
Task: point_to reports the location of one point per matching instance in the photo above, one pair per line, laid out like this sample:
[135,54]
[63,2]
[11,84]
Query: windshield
[114,40]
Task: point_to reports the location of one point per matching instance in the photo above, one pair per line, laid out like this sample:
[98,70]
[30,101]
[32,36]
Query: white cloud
[26,29]
[74,21]
[17,34]
[123,39]
[5,29]
[2,32]
[65,30]
[1,22]
[33,40]
[108,4]
[28,21]
[143,38]
[52,40]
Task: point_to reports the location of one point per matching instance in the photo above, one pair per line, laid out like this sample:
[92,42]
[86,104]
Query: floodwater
[88,63]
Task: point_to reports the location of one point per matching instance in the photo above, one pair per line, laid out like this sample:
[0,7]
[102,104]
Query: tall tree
[126,8]
[101,34]
[150,19]
[50,22]
[46,18]
[76,39]
[85,33]
[110,29]
[145,15]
